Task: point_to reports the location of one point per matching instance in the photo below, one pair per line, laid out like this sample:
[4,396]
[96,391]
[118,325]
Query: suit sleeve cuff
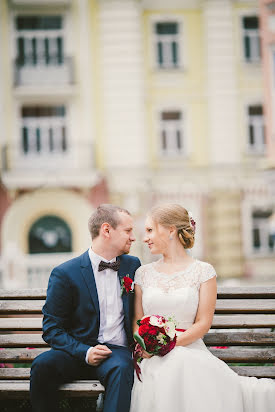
[87,354]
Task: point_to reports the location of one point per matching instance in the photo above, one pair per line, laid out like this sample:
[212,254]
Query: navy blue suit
[70,326]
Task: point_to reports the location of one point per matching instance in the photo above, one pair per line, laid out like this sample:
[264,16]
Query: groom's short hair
[105,213]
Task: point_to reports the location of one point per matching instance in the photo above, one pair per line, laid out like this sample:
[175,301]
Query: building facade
[136,102]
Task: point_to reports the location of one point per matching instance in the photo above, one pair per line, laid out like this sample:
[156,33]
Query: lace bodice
[175,295]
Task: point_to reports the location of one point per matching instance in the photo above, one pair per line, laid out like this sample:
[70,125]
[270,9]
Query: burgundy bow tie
[106,265]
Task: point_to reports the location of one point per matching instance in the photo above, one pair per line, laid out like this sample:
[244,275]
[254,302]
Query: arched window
[50,234]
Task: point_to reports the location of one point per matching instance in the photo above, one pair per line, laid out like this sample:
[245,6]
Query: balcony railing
[30,271]
[45,70]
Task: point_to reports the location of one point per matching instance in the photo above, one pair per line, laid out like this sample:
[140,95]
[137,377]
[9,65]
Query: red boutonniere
[127,285]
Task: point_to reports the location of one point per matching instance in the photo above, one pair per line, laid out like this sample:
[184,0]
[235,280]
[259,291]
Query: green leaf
[139,340]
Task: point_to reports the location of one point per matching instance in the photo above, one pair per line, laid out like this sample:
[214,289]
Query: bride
[189,378]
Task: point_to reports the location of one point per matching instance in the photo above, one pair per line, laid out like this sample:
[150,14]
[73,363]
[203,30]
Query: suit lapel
[88,275]
[125,298]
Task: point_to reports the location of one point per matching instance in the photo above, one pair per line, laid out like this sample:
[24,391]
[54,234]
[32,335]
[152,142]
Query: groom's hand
[98,354]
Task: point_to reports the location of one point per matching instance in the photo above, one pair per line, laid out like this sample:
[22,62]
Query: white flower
[161,338]
[155,321]
[170,329]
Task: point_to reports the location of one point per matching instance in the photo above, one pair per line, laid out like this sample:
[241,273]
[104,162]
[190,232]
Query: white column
[221,82]
[83,108]
[121,67]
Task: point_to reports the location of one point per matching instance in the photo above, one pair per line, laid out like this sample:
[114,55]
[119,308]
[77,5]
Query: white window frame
[258,124]
[249,205]
[181,37]
[56,123]
[272,71]
[53,11]
[46,158]
[182,124]
[251,33]
[40,35]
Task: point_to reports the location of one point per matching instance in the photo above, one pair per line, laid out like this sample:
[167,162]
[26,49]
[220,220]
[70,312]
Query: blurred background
[137,102]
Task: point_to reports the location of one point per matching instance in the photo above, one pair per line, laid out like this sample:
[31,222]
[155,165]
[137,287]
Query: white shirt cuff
[87,354]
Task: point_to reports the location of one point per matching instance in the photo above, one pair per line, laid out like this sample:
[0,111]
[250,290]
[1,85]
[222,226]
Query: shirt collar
[96,259]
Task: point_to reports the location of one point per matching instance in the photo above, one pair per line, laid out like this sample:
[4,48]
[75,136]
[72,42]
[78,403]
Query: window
[167,45]
[171,133]
[43,130]
[50,234]
[39,40]
[262,239]
[251,39]
[256,130]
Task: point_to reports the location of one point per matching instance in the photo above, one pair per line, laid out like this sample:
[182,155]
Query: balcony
[53,70]
[74,168]
[30,271]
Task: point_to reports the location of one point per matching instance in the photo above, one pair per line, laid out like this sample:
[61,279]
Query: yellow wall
[184,87]
[71,207]
[8,69]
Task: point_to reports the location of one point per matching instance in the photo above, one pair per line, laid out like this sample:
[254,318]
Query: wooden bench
[244,322]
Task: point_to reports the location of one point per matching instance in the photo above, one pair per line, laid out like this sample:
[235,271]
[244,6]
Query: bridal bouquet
[156,335]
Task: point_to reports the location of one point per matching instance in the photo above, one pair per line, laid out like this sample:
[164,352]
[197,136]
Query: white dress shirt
[111,328]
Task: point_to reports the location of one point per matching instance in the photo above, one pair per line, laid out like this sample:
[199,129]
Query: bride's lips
[150,244]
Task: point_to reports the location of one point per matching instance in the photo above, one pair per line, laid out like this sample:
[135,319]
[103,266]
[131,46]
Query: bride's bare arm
[205,313]
[138,314]
[138,311]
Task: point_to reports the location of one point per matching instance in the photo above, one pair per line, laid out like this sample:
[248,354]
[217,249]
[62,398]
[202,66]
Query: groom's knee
[42,368]
[122,370]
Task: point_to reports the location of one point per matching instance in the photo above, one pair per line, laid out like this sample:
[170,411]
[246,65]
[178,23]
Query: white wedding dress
[190,378]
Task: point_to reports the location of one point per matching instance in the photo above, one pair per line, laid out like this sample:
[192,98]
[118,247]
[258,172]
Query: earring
[170,237]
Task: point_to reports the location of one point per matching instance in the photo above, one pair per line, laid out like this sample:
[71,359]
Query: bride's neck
[176,255]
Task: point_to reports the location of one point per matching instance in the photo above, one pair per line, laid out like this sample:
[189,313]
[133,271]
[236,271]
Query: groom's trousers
[55,367]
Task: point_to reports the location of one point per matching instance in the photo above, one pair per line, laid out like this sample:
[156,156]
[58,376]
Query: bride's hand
[146,355]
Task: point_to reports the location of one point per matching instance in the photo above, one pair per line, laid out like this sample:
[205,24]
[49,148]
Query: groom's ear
[105,229]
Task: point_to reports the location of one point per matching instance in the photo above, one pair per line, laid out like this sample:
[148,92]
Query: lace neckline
[172,275]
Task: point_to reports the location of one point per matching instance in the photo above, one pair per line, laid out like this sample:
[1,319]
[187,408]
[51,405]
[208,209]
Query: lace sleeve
[207,272]
[139,276]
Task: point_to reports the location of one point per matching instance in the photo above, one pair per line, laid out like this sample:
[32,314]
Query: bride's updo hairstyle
[172,214]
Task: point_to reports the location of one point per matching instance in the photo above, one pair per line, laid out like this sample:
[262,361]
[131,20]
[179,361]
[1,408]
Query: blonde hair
[172,214]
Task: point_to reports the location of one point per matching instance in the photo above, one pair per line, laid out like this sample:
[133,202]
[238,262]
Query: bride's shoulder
[206,271]
[141,272]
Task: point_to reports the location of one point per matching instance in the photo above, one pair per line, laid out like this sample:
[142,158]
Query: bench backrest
[243,330]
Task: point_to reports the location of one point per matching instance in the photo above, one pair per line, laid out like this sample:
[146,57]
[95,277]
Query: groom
[87,322]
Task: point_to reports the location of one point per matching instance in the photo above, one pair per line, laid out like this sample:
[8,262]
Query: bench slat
[21,340]
[229,355]
[222,306]
[21,306]
[239,338]
[15,388]
[245,354]
[245,306]
[258,371]
[211,339]
[38,293]
[20,355]
[219,321]
[20,324]
[247,292]
[224,292]
[15,373]
[243,321]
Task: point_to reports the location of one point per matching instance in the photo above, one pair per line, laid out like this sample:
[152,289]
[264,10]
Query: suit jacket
[71,311]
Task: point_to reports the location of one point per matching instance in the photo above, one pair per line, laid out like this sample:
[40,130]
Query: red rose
[145,320]
[128,283]
[143,329]
[153,331]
